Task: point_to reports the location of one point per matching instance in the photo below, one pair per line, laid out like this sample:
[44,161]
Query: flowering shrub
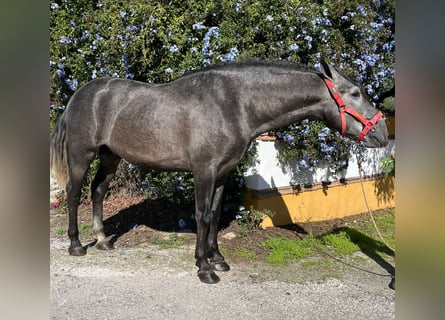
[304,146]
[389,164]
[60,203]
[250,220]
[158,41]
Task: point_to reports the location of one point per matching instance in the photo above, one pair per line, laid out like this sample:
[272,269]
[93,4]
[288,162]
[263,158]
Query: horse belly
[150,145]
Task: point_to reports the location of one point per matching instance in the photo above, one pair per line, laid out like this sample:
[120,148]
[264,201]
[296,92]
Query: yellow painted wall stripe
[318,205]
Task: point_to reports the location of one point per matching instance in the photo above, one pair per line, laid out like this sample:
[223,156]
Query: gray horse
[202,122]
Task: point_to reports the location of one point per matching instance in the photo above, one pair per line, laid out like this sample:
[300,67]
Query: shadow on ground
[374,249]
[160,215]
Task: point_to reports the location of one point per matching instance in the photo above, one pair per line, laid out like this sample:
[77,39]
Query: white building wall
[268,173]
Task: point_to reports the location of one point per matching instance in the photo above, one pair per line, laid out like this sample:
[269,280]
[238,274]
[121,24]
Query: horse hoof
[208,276]
[220,266]
[392,284]
[77,251]
[105,245]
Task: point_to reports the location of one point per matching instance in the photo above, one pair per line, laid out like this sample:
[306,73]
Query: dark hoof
[208,276]
[220,266]
[392,284]
[77,251]
[105,245]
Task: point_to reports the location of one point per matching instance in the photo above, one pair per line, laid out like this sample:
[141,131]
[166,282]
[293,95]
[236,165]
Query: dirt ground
[133,220]
[140,280]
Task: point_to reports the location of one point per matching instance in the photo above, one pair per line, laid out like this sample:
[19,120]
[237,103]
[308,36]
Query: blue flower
[232,54]
[362,10]
[269,18]
[288,138]
[293,47]
[324,132]
[206,51]
[132,28]
[316,21]
[64,40]
[54,6]
[241,208]
[198,26]
[309,41]
[53,107]
[72,84]
[302,165]
[85,34]
[181,223]
[168,70]
[238,6]
[174,48]
[123,14]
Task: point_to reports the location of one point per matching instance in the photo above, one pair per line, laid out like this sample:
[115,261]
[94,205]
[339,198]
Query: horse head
[352,113]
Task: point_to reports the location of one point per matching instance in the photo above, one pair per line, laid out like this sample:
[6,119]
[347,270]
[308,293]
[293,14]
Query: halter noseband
[369,124]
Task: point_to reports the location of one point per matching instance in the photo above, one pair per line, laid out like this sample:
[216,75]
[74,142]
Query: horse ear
[326,68]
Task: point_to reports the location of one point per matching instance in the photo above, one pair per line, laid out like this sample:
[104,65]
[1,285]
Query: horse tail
[59,166]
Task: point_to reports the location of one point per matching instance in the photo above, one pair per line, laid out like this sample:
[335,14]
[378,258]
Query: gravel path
[149,283]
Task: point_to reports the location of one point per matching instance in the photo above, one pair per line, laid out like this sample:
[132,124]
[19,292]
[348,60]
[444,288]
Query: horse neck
[279,99]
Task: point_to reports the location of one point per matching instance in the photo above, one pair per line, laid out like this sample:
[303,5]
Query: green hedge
[158,41]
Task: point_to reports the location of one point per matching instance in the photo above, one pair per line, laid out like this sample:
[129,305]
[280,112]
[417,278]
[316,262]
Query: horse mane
[282,65]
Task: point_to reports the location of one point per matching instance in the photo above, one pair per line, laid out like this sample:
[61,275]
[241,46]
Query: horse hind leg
[79,164]
[108,163]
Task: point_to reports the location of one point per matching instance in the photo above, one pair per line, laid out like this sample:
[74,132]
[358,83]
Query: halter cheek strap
[368,124]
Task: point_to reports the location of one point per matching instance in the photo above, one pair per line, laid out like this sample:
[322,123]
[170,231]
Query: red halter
[369,124]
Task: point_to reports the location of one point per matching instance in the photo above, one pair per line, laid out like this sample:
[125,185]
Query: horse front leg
[204,192]
[216,258]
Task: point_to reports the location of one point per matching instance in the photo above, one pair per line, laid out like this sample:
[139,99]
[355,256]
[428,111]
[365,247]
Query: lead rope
[360,169]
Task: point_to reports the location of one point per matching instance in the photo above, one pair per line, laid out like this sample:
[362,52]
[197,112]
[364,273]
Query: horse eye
[355,93]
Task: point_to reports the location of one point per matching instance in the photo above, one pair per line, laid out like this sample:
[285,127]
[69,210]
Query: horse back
[175,126]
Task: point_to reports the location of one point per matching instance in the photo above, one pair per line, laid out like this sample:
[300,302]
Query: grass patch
[172,241]
[340,243]
[284,250]
[245,253]
[386,223]
[61,231]
[344,242]
[86,229]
